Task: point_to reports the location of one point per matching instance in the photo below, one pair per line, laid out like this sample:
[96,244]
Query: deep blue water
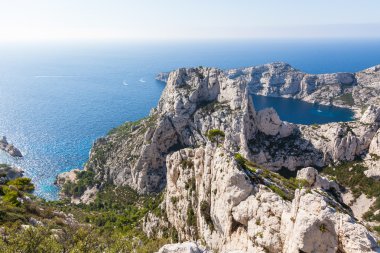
[300,112]
[56,99]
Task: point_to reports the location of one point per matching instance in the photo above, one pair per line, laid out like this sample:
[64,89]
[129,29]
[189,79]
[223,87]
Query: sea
[56,99]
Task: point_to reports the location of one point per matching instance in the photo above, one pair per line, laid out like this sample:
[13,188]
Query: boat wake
[53,76]
[142,80]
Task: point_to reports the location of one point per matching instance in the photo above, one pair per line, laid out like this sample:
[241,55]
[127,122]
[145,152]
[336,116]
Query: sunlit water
[57,99]
[300,112]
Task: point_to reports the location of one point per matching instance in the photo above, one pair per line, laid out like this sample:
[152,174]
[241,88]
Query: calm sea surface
[56,99]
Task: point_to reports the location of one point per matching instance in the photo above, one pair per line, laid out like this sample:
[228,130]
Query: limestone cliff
[353,90]
[240,208]
[210,150]
[200,99]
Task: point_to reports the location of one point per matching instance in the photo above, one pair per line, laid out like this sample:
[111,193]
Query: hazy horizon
[169,20]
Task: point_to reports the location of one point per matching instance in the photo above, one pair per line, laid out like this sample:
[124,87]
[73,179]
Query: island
[9,148]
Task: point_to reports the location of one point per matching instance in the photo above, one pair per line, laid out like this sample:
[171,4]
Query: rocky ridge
[198,143]
[351,90]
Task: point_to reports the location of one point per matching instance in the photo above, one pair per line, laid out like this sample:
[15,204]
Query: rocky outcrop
[66,177]
[211,150]
[186,247]
[197,100]
[194,102]
[9,148]
[313,145]
[210,196]
[352,90]
[315,180]
[373,157]
[71,177]
[162,77]
[9,173]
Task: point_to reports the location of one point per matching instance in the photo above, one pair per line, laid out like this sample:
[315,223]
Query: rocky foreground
[213,157]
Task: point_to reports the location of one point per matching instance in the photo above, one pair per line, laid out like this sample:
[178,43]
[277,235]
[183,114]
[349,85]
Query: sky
[60,20]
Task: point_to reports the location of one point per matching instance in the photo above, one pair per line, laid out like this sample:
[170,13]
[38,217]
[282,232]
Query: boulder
[186,247]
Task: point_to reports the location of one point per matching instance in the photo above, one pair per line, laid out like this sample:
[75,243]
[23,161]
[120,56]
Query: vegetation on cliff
[112,223]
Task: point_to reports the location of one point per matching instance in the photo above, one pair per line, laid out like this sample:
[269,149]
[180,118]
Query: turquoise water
[56,99]
[300,112]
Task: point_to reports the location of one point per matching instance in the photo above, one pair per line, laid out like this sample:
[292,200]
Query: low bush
[216,135]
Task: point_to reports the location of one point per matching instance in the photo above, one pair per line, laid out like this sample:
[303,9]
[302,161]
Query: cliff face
[246,209]
[198,100]
[211,150]
[195,101]
[353,90]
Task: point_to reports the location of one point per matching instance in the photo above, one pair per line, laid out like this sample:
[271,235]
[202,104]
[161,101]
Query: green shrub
[11,196]
[215,135]
[244,163]
[22,184]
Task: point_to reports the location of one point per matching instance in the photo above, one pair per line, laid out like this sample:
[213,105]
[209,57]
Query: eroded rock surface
[210,196]
[9,148]
[218,186]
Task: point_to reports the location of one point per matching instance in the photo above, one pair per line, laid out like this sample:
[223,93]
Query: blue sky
[22,20]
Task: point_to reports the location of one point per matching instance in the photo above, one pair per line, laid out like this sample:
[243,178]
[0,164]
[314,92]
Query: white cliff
[208,149]
[210,196]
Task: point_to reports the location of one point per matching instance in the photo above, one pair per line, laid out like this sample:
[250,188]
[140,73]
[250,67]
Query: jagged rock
[67,177]
[314,226]
[196,100]
[268,121]
[193,102]
[315,180]
[371,115]
[186,247]
[9,148]
[162,77]
[373,157]
[209,196]
[87,197]
[309,174]
[352,90]
[10,172]
[154,226]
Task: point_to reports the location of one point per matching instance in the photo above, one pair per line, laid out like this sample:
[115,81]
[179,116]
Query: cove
[300,112]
